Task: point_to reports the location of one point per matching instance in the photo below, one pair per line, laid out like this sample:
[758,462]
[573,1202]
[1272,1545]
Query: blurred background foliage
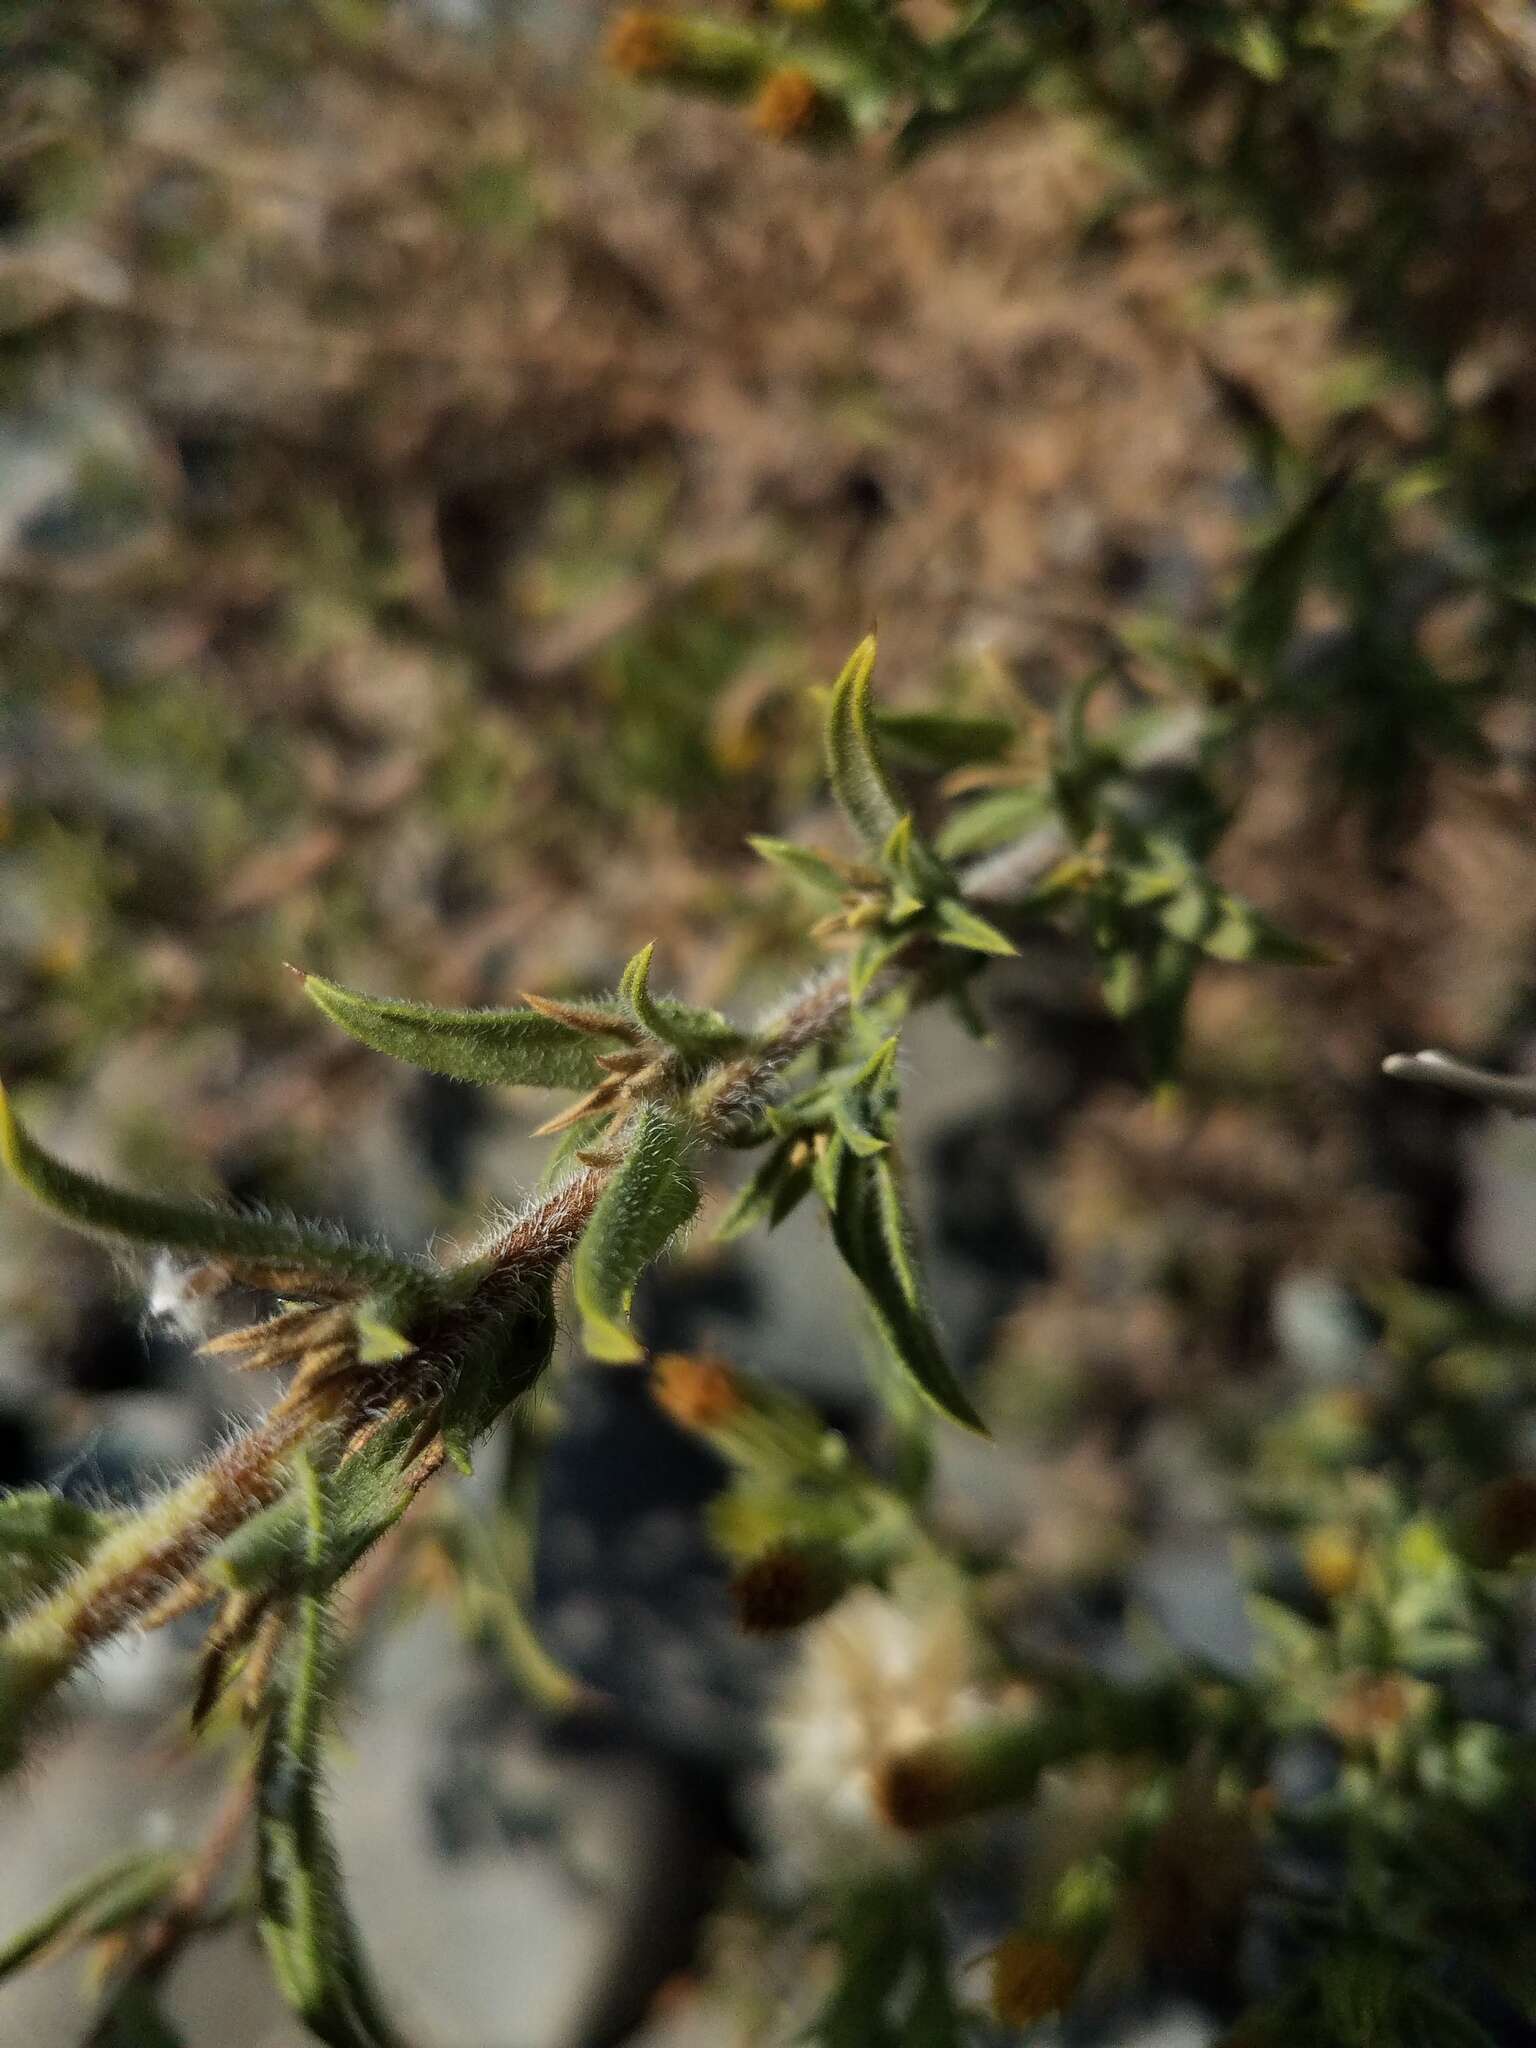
[431,471]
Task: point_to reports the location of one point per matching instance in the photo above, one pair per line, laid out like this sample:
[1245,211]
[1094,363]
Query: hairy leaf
[871,1231]
[992,820]
[772,1192]
[275,1552]
[920,876]
[523,1047]
[308,1931]
[201,1228]
[863,1112]
[689,1031]
[874,952]
[944,739]
[802,863]
[853,759]
[960,926]
[650,1198]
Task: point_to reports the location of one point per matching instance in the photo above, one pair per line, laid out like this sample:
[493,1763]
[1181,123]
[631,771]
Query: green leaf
[1256,45]
[827,1168]
[853,760]
[687,1030]
[943,739]
[109,1898]
[651,1196]
[993,820]
[308,1931]
[274,1553]
[857,1136]
[874,951]
[1239,932]
[910,863]
[316,1250]
[772,1192]
[864,1111]
[379,1341]
[521,1047]
[809,868]
[870,1229]
[960,926]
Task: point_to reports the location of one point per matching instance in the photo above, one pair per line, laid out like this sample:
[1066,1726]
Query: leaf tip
[321,993]
[609,1342]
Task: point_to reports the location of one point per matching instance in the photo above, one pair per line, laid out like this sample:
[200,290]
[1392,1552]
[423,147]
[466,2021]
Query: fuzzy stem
[132,1569]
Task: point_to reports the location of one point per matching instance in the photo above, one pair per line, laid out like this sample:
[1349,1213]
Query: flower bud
[787,1586]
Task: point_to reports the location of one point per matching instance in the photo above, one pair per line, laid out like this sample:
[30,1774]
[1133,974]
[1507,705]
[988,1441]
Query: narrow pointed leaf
[93,1206]
[960,926]
[522,1047]
[827,1168]
[863,1111]
[916,870]
[305,1924]
[769,1196]
[379,1341]
[855,1133]
[805,866]
[943,739]
[651,1196]
[592,1017]
[875,951]
[687,1030]
[118,1892]
[992,820]
[853,760]
[870,1229]
[1239,932]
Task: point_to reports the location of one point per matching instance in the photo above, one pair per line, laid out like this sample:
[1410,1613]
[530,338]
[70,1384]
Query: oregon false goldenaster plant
[394,1365]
